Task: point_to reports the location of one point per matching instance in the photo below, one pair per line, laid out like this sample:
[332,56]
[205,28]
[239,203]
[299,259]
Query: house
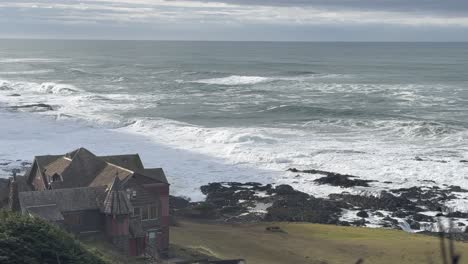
[85,194]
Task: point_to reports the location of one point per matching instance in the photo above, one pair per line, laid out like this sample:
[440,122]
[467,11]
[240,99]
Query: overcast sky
[283,20]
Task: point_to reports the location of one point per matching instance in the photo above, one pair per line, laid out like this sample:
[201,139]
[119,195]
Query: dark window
[153,212]
[136,211]
[144,213]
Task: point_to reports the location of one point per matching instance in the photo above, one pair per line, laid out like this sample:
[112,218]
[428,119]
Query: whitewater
[211,112]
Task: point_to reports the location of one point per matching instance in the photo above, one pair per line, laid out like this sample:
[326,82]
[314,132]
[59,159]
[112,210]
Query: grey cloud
[432,6]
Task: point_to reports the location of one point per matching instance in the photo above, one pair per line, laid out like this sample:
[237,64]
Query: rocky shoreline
[416,209]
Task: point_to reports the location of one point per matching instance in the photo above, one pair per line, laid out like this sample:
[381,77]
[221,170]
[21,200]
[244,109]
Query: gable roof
[116,202]
[81,168]
[128,161]
[48,212]
[155,174]
[71,199]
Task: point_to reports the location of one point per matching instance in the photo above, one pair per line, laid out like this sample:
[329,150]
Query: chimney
[13,198]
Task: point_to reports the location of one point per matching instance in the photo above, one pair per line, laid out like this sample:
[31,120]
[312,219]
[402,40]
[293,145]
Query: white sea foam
[32,72]
[195,155]
[235,80]
[29,60]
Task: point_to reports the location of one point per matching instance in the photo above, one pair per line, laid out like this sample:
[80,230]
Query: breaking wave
[235,80]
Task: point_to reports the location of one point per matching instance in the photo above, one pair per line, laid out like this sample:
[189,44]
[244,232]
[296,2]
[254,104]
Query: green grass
[310,243]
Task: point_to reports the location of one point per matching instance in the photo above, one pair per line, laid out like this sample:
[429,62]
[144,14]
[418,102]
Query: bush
[31,240]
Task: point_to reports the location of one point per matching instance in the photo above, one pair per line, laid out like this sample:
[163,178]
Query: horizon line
[201,40]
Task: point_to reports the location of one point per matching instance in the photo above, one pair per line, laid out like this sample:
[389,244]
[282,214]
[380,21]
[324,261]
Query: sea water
[206,112]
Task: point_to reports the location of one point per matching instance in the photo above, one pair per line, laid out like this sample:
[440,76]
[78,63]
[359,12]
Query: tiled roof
[71,199]
[116,202]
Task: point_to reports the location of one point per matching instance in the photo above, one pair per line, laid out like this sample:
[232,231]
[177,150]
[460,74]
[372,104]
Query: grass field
[309,243]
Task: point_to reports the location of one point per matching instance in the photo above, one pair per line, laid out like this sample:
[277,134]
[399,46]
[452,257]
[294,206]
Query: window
[153,212]
[136,211]
[148,213]
[144,213]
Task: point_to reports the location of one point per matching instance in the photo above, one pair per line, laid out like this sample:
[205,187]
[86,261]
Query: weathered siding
[83,221]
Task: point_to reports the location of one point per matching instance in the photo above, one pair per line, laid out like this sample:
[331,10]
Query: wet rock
[461,224]
[284,189]
[378,214]
[400,214]
[422,218]
[362,214]
[5,88]
[335,179]
[298,208]
[464,161]
[386,201]
[454,188]
[344,181]
[36,107]
[414,225]
[14,95]
[360,222]
[176,202]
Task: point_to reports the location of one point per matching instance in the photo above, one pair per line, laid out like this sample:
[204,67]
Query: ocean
[396,113]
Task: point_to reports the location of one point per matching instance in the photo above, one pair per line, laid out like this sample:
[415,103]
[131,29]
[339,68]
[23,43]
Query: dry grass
[310,243]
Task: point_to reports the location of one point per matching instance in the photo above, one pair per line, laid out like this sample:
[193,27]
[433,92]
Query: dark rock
[40,107]
[414,225]
[457,214]
[5,88]
[464,161]
[285,189]
[400,214]
[360,222]
[386,201]
[362,214]
[232,210]
[14,95]
[298,208]
[454,188]
[342,181]
[176,202]
[422,218]
[344,223]
[379,214]
[418,159]
[394,222]
[335,179]
[461,224]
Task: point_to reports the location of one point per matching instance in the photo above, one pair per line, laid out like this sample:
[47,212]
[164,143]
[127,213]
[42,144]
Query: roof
[57,166]
[48,212]
[116,202]
[66,200]
[156,174]
[81,168]
[128,161]
[107,175]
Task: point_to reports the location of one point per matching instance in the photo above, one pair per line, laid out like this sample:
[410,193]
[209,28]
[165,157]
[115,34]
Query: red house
[113,195]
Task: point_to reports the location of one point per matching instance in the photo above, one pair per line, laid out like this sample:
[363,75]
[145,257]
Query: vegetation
[31,240]
[310,243]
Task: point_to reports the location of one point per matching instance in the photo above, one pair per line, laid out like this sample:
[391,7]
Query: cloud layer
[225,19]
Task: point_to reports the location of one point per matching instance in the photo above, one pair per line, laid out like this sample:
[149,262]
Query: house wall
[83,221]
[153,193]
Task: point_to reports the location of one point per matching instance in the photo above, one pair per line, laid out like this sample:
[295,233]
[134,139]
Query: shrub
[31,240]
